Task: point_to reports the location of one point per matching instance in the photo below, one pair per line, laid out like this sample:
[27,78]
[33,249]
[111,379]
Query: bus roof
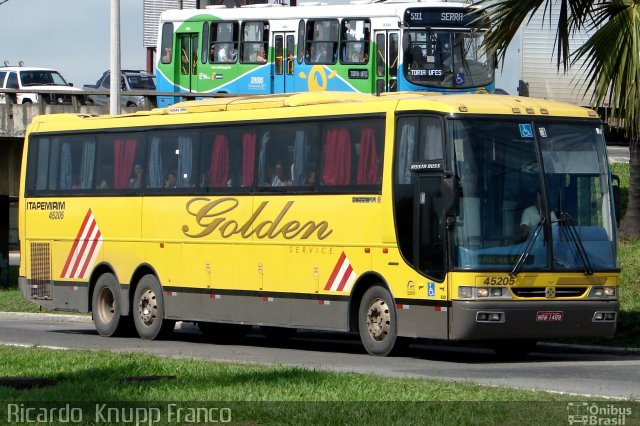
[462,104]
[313,11]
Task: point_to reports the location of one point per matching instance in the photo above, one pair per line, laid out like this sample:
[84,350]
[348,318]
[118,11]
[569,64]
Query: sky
[71,36]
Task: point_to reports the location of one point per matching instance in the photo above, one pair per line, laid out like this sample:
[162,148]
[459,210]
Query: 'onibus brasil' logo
[214,215]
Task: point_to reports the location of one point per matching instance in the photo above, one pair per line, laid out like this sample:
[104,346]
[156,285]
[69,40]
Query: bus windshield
[523,183]
[447,59]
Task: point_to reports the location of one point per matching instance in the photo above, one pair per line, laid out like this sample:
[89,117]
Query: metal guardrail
[78,97]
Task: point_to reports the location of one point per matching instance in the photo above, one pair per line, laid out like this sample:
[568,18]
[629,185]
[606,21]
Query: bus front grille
[531,292]
[40,283]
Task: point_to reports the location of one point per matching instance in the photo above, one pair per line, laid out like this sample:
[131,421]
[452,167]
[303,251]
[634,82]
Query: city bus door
[429,247]
[283,62]
[386,61]
[187,63]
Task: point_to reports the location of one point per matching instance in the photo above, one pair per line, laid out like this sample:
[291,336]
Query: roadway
[577,370]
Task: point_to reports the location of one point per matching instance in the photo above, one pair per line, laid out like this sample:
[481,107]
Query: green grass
[11,300]
[82,377]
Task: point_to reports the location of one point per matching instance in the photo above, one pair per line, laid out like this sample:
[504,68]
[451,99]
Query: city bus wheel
[148,310]
[106,306]
[377,321]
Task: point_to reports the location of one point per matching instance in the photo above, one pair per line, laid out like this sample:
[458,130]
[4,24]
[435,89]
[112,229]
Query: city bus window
[322,41]
[227,160]
[255,36]
[352,155]
[223,46]
[117,157]
[288,156]
[63,164]
[166,43]
[170,163]
[354,48]
[204,56]
[301,36]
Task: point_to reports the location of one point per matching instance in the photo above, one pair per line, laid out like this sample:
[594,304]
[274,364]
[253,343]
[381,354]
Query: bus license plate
[549,316]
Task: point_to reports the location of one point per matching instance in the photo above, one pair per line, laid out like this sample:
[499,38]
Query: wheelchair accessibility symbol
[525,130]
[459,78]
[431,289]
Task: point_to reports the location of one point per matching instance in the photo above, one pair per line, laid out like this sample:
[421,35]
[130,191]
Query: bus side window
[172,153]
[254,42]
[223,46]
[167,43]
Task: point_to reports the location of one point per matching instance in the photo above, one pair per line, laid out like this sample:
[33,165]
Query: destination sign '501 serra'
[216,216]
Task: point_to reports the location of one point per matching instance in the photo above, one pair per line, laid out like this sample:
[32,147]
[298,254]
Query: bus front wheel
[377,321]
[148,310]
[106,306]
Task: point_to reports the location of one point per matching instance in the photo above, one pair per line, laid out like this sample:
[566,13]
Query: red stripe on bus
[75,243]
[90,255]
[335,271]
[83,249]
[345,278]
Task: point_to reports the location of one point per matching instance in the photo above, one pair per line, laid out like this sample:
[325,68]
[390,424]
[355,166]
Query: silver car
[129,80]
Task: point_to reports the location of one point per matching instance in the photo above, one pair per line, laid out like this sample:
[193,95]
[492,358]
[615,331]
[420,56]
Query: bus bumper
[56,296]
[472,320]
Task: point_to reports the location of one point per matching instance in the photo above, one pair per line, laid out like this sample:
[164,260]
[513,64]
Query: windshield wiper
[533,236]
[570,232]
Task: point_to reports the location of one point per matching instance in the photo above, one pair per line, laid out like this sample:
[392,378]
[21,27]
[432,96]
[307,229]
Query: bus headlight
[489,292]
[469,292]
[465,292]
[603,292]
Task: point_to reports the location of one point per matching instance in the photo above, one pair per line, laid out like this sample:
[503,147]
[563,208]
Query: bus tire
[148,310]
[106,306]
[377,321]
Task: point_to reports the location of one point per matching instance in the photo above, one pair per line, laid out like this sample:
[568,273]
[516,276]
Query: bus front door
[430,248]
[283,62]
[386,62]
[187,64]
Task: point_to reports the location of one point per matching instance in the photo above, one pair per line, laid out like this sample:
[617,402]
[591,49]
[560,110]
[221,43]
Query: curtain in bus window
[336,169]
[262,172]
[248,158]
[54,164]
[65,166]
[431,139]
[88,160]
[155,164]
[406,150]
[299,158]
[368,160]
[219,166]
[124,154]
[185,148]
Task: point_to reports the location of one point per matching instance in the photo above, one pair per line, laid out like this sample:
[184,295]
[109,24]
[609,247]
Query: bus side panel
[420,302]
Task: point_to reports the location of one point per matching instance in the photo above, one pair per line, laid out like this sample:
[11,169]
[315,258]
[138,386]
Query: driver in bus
[531,216]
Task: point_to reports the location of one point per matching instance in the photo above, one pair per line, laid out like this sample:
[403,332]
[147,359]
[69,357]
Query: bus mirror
[615,182]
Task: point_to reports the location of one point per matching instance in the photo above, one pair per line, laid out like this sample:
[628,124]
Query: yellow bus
[461,217]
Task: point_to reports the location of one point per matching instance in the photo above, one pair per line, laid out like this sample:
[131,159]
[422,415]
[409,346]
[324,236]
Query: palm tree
[611,58]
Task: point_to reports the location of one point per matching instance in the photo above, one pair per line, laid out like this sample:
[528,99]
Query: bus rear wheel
[148,310]
[107,307]
[377,321]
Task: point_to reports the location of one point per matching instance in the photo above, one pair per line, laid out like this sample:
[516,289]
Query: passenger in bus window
[166,58]
[212,52]
[278,178]
[260,56]
[311,178]
[226,53]
[136,180]
[171,181]
[322,53]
